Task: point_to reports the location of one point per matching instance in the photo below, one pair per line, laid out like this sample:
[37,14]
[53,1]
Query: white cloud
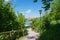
[7,0]
[28,11]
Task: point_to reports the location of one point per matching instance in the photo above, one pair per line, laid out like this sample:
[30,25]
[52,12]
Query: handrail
[10,31]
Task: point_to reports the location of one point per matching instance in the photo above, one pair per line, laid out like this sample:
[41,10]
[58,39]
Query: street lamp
[40,12]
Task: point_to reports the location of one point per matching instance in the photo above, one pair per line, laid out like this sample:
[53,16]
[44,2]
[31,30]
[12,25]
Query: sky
[27,7]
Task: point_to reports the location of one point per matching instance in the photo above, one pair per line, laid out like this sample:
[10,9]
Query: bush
[53,33]
[4,37]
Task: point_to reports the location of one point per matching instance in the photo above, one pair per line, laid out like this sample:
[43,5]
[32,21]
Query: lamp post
[40,12]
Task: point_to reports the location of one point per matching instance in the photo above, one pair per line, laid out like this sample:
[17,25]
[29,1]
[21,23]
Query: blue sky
[27,7]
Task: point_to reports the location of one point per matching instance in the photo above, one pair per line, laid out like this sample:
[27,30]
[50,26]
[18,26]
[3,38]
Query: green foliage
[53,33]
[4,37]
[35,24]
[35,0]
[10,21]
[21,20]
[7,17]
[46,3]
[50,22]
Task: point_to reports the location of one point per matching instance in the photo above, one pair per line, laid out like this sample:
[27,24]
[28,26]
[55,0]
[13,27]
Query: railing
[11,33]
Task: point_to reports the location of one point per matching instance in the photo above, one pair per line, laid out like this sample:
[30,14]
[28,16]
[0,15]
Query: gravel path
[31,35]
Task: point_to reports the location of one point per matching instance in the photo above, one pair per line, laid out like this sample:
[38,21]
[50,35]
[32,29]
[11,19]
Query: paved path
[31,35]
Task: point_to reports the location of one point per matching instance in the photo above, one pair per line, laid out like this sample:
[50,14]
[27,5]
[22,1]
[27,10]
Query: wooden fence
[11,32]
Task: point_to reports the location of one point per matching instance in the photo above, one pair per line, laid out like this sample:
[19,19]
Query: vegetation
[9,21]
[49,25]
[46,4]
[21,20]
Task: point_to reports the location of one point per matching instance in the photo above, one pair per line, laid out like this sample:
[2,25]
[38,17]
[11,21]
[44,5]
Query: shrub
[53,33]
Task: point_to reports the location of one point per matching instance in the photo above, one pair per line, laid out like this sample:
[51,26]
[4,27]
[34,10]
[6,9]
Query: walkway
[31,35]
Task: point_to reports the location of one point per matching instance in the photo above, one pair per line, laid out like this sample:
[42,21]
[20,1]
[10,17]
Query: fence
[14,34]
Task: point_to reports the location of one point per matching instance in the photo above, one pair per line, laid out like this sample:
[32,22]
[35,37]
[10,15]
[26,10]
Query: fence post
[23,32]
[10,35]
[18,33]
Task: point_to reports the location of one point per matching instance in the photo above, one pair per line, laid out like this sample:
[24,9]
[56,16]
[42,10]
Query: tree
[46,3]
[7,17]
[21,20]
[56,9]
